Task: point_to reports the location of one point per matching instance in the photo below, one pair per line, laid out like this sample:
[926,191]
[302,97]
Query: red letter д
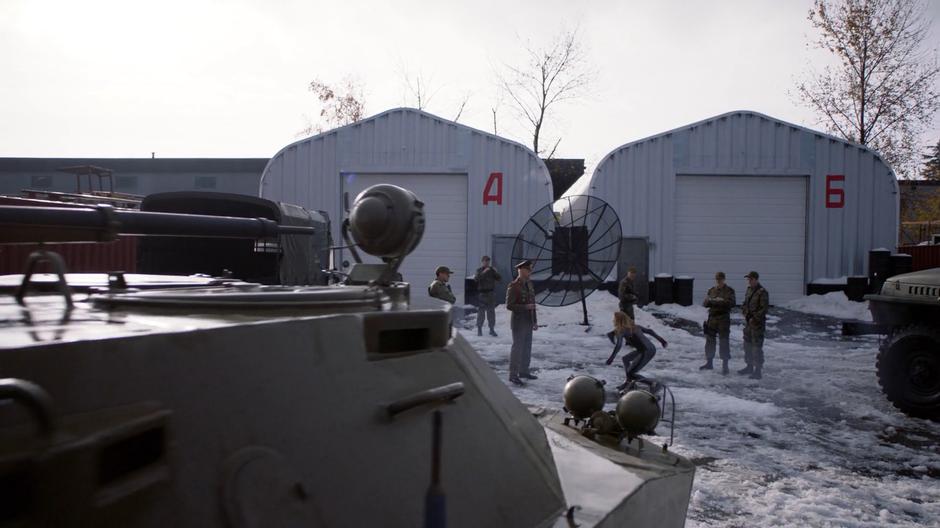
[835,197]
[488,194]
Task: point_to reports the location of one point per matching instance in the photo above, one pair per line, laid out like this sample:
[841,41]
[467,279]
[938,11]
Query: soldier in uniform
[520,300]
[719,300]
[439,288]
[627,293]
[486,278]
[756,303]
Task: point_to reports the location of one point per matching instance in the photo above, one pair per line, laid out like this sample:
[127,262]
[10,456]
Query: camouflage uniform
[719,301]
[441,290]
[518,295]
[628,296]
[756,303]
[486,278]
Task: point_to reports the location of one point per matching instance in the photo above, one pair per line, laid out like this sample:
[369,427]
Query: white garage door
[445,235]
[740,223]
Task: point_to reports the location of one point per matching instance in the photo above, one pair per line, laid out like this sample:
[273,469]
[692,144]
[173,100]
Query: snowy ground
[833,304]
[812,444]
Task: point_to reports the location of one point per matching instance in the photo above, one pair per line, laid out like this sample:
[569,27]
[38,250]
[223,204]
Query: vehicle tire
[909,371]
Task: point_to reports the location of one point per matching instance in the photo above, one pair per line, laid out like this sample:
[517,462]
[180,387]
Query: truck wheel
[909,371]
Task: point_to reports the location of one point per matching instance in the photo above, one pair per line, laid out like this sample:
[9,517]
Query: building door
[740,223]
[445,235]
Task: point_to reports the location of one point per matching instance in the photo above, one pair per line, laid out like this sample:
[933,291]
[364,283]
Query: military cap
[442,269]
[485,257]
[524,264]
[720,275]
[752,275]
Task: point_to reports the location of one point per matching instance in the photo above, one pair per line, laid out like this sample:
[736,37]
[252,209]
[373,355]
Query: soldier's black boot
[707,366]
[480,330]
[756,374]
[724,367]
[746,370]
[493,333]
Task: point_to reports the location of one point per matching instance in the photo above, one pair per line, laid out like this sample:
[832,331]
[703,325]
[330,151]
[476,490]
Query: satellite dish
[573,245]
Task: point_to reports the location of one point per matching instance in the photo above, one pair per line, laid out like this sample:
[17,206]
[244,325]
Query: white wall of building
[764,229]
[401,145]
[642,179]
[445,232]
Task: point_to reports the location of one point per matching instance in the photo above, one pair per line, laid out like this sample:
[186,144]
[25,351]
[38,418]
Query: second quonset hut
[743,191]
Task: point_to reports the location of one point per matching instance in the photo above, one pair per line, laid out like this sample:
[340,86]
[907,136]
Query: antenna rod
[435,502]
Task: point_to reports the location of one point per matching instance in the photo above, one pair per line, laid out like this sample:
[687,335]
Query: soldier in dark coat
[439,288]
[520,300]
[627,293]
[756,304]
[486,278]
[719,300]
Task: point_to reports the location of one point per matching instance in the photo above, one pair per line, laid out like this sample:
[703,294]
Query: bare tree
[497,104]
[420,89]
[341,105]
[551,75]
[462,105]
[882,92]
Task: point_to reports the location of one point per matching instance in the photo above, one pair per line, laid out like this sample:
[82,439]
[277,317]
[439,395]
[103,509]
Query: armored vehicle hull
[225,403]
[242,405]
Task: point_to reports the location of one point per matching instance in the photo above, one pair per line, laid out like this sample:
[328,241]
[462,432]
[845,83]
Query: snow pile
[723,404]
[833,304]
[832,281]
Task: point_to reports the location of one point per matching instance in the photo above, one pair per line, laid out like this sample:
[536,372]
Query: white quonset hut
[744,191]
[474,184]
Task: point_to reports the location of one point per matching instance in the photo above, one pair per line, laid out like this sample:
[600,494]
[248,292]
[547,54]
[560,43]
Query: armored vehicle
[221,403]
[908,310]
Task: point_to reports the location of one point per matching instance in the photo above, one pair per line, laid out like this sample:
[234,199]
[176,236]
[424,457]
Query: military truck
[908,310]
[222,403]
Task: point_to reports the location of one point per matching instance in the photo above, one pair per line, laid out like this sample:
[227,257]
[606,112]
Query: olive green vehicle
[157,401]
[908,310]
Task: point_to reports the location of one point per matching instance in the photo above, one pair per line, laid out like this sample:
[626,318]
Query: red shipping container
[100,257]
[923,257]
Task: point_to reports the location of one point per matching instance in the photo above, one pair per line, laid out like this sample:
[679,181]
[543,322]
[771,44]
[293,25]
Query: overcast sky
[198,78]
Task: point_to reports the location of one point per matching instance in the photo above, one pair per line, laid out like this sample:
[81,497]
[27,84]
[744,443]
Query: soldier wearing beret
[719,300]
[520,300]
[439,288]
[756,304]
